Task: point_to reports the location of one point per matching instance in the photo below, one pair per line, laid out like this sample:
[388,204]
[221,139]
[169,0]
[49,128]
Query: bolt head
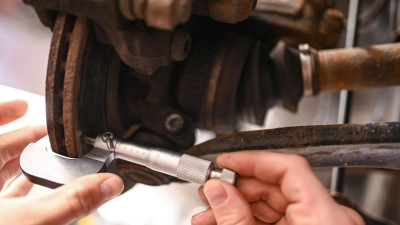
[174,123]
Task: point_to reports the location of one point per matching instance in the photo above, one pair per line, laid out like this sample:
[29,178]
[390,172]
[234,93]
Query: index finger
[12,110]
[13,142]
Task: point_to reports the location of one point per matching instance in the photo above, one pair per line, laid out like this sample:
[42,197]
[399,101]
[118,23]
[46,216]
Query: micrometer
[51,170]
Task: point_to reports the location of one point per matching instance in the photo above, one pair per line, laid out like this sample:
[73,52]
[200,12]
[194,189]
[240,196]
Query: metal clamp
[307,68]
[108,138]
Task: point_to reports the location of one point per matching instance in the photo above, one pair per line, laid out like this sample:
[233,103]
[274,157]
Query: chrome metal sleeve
[157,159]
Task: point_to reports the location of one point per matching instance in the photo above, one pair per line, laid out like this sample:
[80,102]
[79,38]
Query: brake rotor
[81,87]
[82,95]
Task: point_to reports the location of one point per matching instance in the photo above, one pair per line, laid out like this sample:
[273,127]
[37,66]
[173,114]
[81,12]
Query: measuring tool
[48,169]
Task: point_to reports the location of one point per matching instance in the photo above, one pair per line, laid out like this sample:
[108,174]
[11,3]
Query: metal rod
[344,107]
[340,145]
[337,179]
[301,137]
[338,174]
[357,68]
[352,23]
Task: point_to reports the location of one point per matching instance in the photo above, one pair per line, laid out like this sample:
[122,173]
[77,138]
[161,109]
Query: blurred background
[24,47]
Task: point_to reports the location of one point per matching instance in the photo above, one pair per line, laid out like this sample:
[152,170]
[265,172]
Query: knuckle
[5,156]
[265,195]
[298,161]
[4,176]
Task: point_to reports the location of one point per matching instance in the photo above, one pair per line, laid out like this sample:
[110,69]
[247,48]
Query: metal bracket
[51,170]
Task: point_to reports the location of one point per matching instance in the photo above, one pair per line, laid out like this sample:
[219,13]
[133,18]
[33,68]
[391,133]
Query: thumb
[227,203]
[76,199]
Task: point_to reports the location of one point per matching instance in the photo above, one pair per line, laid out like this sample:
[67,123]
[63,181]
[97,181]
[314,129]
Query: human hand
[272,189]
[65,204]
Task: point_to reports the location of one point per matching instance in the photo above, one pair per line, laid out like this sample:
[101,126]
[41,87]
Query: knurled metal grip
[194,169]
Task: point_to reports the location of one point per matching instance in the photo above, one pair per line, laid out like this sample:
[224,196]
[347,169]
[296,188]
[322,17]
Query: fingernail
[200,214]
[202,197]
[216,195]
[111,188]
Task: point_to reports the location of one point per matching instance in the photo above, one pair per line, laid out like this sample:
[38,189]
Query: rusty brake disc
[81,87]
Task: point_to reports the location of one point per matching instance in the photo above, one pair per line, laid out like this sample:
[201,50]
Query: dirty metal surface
[358,155]
[358,68]
[71,87]
[298,138]
[129,38]
[313,22]
[55,80]
[230,11]
[75,94]
[349,145]
[385,156]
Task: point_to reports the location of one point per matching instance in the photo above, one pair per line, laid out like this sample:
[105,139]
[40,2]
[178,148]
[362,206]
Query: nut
[228,176]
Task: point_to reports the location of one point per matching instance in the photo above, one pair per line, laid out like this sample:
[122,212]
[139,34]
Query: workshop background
[24,47]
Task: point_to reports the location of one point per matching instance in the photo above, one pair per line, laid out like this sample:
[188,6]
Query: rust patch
[358,68]
[323,153]
[55,80]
